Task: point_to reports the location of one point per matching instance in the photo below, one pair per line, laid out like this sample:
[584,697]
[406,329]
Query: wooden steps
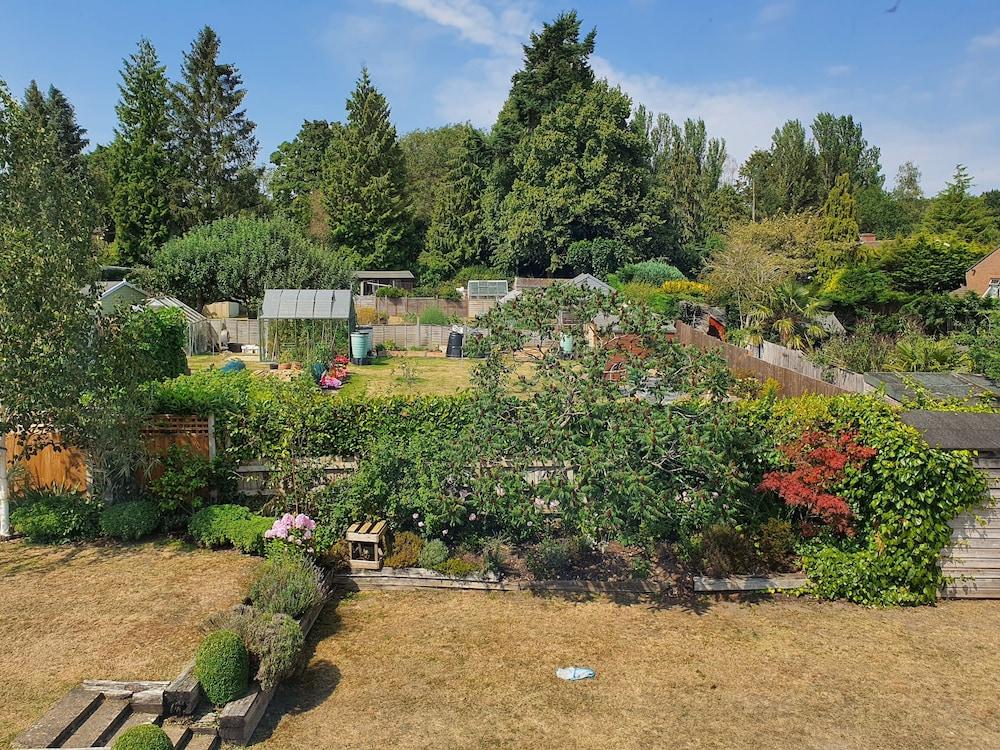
[96,713]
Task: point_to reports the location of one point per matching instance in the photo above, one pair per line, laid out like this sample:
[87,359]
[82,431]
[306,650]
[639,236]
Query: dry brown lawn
[466,670]
[85,612]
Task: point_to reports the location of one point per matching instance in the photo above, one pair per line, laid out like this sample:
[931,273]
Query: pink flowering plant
[296,530]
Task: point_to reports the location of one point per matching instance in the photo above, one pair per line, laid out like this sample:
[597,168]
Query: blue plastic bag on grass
[575,673]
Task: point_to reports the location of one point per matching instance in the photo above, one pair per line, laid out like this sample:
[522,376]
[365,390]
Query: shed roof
[937,384]
[306,304]
[589,281]
[383,275]
[957,430]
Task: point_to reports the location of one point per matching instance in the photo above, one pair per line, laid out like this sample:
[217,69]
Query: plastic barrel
[359,347]
[566,343]
[454,345]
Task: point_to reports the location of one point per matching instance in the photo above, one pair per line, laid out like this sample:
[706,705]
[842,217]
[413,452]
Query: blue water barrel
[566,343]
[359,347]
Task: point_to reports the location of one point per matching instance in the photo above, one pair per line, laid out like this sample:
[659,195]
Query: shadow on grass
[687,602]
[23,557]
[313,684]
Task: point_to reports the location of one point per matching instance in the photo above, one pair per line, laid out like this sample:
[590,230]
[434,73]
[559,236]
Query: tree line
[574,176]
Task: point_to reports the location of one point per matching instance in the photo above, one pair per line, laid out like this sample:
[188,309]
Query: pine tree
[457,234]
[142,170]
[956,211]
[215,141]
[365,185]
[54,111]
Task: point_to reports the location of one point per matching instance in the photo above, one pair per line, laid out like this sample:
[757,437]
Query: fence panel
[59,466]
[792,383]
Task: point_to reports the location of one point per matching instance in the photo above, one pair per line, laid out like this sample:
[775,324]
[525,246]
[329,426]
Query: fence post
[211,437]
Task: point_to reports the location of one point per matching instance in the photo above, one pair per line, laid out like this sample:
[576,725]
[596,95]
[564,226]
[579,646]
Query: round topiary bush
[222,667]
[143,737]
[130,521]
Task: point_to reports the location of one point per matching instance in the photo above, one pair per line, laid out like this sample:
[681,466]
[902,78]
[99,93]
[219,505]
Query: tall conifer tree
[142,170]
[365,185]
[215,140]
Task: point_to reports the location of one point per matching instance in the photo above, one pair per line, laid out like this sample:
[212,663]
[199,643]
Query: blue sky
[923,80]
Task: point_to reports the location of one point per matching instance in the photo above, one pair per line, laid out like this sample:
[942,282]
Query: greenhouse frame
[305,324]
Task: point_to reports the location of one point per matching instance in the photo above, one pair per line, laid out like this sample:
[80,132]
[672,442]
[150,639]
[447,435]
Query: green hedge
[130,521]
[49,517]
[258,414]
[221,525]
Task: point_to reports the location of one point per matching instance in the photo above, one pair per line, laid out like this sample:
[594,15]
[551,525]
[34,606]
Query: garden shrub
[494,557]
[457,566]
[406,548]
[433,554]
[552,557]
[56,517]
[130,521]
[775,542]
[433,316]
[725,550]
[247,535]
[274,641]
[287,583]
[222,666]
[160,337]
[901,501]
[653,272]
[143,737]
[187,482]
[213,526]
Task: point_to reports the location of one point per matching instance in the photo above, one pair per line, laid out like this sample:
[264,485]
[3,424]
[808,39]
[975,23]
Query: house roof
[957,430]
[306,304]
[937,384]
[383,275]
[983,259]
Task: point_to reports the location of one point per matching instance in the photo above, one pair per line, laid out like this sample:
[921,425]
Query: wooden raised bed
[745,584]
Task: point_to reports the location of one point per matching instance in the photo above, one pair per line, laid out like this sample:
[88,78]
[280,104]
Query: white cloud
[775,11]
[835,71]
[985,41]
[501,30]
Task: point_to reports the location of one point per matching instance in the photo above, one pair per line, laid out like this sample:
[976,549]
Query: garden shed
[305,325]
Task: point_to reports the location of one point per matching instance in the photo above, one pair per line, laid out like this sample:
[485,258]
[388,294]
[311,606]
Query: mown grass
[410,375]
[466,670]
[70,613]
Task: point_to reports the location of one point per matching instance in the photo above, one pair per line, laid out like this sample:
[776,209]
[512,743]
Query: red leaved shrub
[818,462]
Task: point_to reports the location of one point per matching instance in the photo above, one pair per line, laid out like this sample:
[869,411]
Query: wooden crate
[367,544]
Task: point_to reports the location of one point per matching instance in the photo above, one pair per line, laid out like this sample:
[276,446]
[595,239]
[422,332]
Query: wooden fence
[406,337]
[57,465]
[742,361]
[402,306]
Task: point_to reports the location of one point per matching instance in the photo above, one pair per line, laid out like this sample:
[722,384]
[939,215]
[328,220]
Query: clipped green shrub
[457,566]
[247,535]
[552,557]
[143,737]
[433,554]
[274,641]
[406,548]
[50,517]
[222,666]
[725,550]
[213,526]
[130,521]
[287,583]
[653,272]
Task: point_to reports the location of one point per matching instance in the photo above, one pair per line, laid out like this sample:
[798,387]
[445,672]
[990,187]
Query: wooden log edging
[414,579]
[747,584]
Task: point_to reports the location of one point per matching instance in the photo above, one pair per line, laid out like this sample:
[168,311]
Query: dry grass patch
[82,612]
[463,670]
[410,376]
